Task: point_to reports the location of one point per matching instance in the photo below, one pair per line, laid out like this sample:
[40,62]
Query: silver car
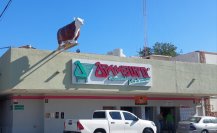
[198,124]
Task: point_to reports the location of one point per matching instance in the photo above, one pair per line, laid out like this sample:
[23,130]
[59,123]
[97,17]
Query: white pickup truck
[110,121]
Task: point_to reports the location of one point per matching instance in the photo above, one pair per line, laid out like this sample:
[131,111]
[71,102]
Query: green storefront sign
[18,107]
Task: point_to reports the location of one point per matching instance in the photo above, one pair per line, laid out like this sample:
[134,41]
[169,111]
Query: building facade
[39,89]
[210,103]
[198,57]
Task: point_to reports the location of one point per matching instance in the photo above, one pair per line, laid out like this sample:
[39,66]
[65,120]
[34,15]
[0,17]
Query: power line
[6,7]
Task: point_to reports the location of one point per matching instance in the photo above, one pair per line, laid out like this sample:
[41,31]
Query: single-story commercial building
[39,89]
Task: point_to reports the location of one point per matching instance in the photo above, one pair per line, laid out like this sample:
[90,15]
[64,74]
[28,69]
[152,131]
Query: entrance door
[165,111]
[149,113]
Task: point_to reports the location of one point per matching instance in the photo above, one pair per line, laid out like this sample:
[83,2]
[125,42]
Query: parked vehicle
[110,121]
[198,124]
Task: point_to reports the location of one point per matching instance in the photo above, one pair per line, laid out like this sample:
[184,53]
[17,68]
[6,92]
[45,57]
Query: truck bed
[71,125]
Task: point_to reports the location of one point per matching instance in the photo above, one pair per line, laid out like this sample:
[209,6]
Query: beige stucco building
[39,89]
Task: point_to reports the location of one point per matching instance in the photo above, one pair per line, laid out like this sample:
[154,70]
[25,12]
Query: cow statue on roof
[67,36]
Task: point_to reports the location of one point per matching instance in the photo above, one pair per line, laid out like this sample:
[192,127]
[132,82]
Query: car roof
[111,110]
[205,116]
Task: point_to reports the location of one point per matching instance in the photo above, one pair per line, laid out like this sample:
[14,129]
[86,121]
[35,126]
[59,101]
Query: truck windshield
[99,115]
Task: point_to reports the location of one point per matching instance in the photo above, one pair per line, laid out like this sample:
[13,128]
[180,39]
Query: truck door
[116,124]
[131,123]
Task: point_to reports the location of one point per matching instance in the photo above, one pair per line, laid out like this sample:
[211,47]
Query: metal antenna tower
[145,28]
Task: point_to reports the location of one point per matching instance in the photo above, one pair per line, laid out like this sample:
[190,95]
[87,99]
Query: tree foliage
[146,51]
[167,49]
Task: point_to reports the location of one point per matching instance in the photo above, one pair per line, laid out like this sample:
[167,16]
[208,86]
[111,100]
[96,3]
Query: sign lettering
[111,73]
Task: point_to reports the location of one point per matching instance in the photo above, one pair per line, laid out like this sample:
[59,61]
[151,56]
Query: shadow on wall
[21,67]
[67,81]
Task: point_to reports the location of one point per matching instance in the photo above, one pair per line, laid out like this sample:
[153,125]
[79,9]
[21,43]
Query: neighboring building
[39,89]
[206,58]
[198,57]
[117,52]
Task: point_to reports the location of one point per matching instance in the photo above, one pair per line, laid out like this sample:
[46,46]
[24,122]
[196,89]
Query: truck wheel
[204,131]
[99,131]
[148,130]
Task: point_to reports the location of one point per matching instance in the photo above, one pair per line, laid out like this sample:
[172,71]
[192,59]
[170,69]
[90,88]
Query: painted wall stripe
[98,97]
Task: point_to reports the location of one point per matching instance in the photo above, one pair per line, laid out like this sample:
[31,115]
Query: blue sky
[189,24]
